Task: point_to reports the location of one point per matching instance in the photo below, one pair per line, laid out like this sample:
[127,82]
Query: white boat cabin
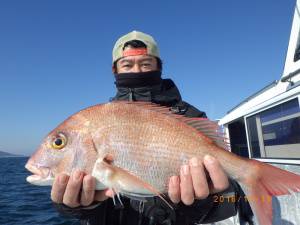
[266,127]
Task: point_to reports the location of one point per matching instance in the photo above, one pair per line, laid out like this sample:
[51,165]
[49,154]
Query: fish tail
[263,181]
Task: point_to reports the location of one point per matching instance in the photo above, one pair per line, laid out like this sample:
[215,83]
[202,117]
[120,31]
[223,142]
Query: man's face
[136,64]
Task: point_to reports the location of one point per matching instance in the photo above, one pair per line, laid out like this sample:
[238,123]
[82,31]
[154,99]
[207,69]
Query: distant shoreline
[16,156]
[9,155]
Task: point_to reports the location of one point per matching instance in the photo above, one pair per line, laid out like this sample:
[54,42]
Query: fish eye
[59,141]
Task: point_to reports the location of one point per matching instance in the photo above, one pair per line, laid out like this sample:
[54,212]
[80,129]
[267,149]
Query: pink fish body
[135,148]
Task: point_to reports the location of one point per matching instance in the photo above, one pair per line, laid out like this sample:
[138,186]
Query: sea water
[24,203]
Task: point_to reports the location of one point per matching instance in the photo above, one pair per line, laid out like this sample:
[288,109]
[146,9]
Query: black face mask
[135,80]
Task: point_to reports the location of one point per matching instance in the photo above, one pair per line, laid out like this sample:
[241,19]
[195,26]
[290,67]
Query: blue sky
[55,56]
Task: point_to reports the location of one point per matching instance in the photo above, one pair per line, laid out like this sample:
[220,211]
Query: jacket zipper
[130,95]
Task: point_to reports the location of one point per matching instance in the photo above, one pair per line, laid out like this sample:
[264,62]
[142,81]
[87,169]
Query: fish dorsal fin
[209,128]
[150,106]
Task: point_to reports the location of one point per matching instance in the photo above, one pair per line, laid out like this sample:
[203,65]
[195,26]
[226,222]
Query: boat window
[275,133]
[297,54]
[282,133]
[279,111]
[252,133]
[238,138]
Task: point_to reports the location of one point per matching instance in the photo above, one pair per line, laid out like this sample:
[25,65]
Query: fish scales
[135,147]
[139,132]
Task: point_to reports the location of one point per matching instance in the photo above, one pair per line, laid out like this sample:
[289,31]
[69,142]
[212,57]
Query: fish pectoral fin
[100,186]
[123,181]
[135,188]
[100,173]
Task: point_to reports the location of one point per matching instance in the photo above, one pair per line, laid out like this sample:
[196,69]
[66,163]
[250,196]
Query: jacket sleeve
[186,109]
[214,208]
[81,213]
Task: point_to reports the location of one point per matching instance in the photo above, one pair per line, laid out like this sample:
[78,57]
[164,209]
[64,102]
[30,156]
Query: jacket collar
[166,93]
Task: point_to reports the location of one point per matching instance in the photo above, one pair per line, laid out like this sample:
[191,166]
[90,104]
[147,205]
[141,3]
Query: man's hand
[77,190]
[193,182]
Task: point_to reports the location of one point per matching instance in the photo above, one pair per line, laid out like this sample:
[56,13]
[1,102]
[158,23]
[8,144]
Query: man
[137,67]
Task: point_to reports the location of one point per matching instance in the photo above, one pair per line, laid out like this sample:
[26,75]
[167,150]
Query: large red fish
[134,148]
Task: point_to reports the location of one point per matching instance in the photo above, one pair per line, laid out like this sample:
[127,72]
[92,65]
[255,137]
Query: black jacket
[155,212]
[214,208]
[166,94]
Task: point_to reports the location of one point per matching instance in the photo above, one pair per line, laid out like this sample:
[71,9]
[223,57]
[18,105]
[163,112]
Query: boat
[266,127]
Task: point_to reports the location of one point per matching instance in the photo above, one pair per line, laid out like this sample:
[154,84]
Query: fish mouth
[42,176]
